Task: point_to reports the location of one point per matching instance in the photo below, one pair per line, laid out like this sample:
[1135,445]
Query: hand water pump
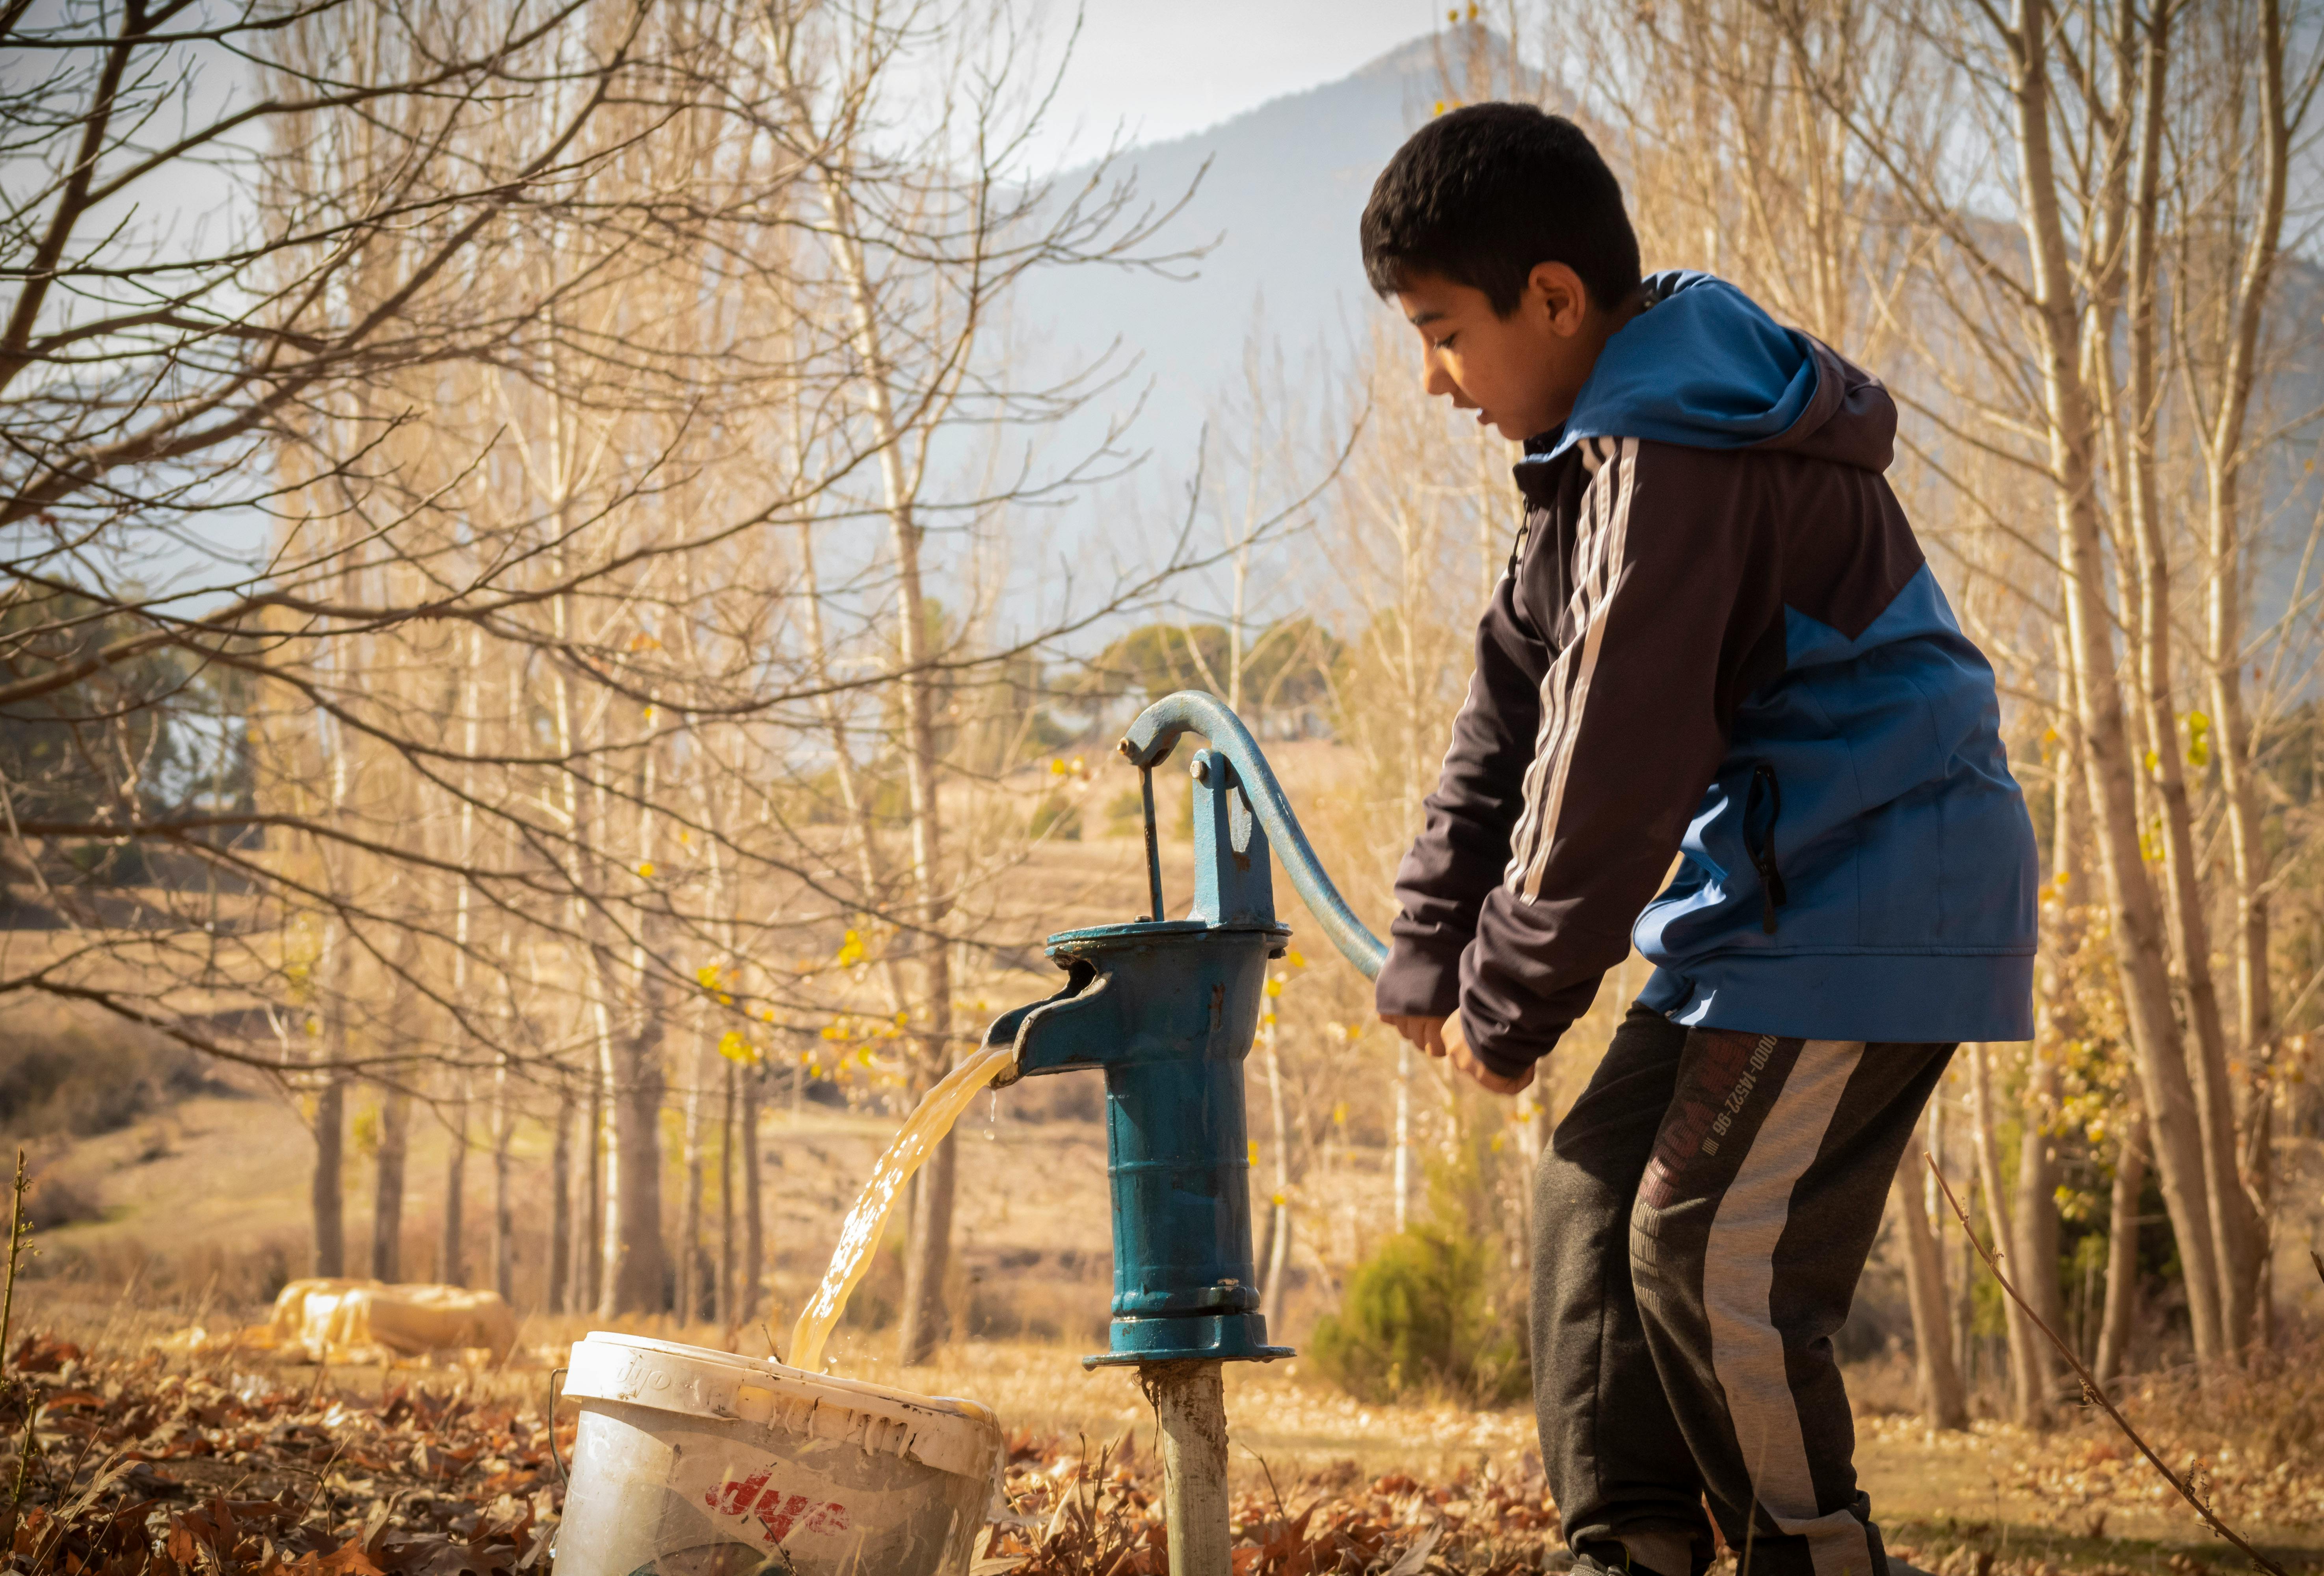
[1167,1009]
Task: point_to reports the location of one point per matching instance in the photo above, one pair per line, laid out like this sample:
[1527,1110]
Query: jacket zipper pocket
[1762,854]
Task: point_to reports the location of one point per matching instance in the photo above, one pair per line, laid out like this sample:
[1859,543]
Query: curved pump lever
[1158,728]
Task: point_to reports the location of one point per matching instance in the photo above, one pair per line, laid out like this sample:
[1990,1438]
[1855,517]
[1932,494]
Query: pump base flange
[1189,1337]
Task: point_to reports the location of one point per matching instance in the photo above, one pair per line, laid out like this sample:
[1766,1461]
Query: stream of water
[930,1120]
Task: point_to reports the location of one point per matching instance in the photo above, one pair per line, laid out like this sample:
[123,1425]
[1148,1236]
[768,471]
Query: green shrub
[1434,1311]
[1421,1317]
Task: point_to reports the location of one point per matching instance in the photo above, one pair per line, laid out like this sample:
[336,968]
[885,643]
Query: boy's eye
[1446,343]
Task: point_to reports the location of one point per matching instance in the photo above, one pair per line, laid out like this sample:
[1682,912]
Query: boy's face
[1520,373]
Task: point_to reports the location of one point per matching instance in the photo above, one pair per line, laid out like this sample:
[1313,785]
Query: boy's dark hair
[1484,194]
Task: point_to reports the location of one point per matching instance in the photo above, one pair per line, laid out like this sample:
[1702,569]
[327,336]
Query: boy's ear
[1556,292]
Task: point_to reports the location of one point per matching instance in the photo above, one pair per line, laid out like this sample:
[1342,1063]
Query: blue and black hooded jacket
[1717,639]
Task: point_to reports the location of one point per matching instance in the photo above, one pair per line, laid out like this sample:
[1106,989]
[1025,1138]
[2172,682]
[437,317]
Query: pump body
[1167,1009]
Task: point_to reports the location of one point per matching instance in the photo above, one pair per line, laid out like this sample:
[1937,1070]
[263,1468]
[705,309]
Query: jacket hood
[1703,366]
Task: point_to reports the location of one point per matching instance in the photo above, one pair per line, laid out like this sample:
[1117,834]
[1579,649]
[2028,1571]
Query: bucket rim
[949,1432]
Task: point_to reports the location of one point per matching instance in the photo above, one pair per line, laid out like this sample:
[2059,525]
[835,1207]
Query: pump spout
[1159,727]
[1076,1027]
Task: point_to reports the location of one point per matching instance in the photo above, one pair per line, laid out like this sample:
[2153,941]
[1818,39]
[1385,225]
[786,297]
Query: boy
[1716,639]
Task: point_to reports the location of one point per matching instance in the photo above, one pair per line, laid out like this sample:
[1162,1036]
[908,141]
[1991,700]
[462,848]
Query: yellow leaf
[734,1047]
[1274,987]
[706,975]
[649,711]
[1294,959]
[1340,1115]
[1057,767]
[1254,1151]
[724,1000]
[645,868]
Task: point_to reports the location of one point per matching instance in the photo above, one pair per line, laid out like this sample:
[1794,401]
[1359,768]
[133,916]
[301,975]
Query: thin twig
[15,1243]
[17,1230]
[2094,1393]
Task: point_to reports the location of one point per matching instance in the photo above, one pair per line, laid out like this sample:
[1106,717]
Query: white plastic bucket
[694,1462]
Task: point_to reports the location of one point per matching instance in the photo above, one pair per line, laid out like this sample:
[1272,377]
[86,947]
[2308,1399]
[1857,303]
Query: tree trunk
[2122,1287]
[728,1317]
[2226,453]
[1963,1287]
[2137,929]
[2038,1169]
[2035,1212]
[1277,1293]
[636,1278]
[560,1204]
[2029,1370]
[1403,1133]
[690,1276]
[1943,1402]
[637,1270]
[753,1212]
[503,1245]
[928,1255]
[1276,1273]
[387,1187]
[2186,925]
[327,1186]
[588,1220]
[451,1266]
[327,1196]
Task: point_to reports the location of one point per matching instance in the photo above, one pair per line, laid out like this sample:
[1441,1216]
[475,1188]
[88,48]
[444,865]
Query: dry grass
[1317,1477]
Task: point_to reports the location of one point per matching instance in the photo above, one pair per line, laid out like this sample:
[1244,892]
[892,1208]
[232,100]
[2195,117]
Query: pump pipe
[1150,739]
[1166,1008]
[1189,1403]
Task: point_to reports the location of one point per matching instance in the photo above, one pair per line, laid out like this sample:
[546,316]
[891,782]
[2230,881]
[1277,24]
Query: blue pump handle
[1191,711]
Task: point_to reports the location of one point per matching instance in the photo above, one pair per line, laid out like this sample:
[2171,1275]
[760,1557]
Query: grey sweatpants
[1701,1218]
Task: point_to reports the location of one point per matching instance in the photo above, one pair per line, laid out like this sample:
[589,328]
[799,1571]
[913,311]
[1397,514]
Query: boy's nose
[1434,379]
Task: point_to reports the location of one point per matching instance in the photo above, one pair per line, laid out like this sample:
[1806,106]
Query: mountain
[1278,192]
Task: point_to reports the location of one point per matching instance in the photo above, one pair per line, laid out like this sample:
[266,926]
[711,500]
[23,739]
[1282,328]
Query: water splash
[934,1117]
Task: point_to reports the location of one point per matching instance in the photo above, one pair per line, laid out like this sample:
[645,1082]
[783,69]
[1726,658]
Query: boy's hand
[1422,1032]
[1444,1036]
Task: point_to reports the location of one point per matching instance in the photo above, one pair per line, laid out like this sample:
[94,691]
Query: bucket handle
[555,1374]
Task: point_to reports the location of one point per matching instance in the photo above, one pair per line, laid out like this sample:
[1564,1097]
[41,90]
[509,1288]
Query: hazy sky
[1161,68]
